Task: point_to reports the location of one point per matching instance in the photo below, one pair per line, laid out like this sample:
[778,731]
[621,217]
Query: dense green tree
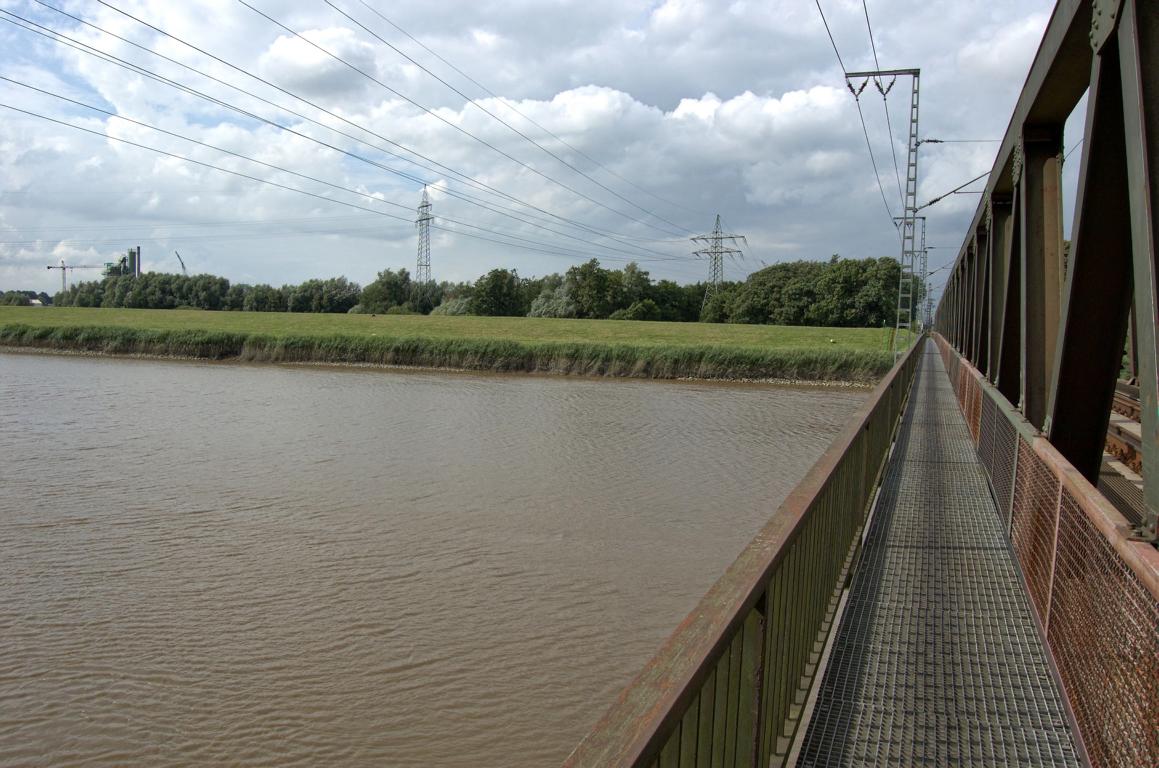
[553,302]
[14,299]
[838,292]
[645,309]
[389,289]
[334,295]
[677,303]
[716,308]
[264,298]
[459,306]
[635,285]
[498,294]
[424,297]
[235,297]
[588,285]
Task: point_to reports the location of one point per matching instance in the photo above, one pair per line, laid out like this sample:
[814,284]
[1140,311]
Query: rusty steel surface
[1033,523]
[1124,447]
[1105,649]
[723,685]
[1126,405]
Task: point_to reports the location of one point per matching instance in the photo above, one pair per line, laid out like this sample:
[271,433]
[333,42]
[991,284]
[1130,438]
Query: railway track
[1124,435]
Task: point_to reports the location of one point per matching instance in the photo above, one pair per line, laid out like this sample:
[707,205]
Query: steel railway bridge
[961,579]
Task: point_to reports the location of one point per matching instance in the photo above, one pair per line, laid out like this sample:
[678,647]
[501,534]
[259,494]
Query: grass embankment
[590,347]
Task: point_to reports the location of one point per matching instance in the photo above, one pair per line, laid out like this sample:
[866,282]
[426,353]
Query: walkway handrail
[728,685]
[1094,589]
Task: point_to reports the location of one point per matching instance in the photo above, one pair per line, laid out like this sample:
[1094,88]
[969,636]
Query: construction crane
[182,262]
[64,269]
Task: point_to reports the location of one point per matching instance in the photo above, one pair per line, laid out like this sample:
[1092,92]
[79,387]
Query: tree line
[23,298]
[837,292]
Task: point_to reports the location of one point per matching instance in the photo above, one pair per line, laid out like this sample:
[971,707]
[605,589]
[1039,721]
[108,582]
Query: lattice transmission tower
[423,222]
[921,277]
[715,250]
[925,273]
[909,236]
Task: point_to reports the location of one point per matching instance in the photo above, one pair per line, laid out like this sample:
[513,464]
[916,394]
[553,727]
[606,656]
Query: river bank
[527,345]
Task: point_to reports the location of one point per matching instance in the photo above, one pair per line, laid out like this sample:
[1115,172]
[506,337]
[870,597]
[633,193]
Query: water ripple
[222,564]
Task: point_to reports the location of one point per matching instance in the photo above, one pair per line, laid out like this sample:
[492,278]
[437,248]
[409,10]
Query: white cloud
[300,67]
[737,109]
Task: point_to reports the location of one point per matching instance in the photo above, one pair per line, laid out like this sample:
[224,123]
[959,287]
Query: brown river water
[219,564]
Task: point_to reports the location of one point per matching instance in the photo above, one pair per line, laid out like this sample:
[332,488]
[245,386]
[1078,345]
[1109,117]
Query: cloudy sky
[617,129]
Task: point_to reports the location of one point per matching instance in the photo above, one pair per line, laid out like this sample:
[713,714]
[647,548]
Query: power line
[442,119]
[330,113]
[526,117]
[857,102]
[187,89]
[536,246]
[201,224]
[884,101]
[363,232]
[495,117]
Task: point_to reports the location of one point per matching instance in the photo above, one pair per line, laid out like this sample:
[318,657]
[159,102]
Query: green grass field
[601,347]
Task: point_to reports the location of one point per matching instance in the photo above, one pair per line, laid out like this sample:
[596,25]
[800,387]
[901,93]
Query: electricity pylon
[716,251]
[921,277]
[423,222]
[909,248]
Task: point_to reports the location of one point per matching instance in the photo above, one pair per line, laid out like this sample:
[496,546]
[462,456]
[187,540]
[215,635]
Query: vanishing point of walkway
[937,660]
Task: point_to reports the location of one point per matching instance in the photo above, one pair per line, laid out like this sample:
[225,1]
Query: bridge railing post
[730,685]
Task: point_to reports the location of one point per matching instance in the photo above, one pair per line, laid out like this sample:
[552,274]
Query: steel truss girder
[1050,334]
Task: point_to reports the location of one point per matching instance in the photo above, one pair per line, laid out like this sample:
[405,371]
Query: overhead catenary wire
[953,191]
[873,159]
[884,102]
[959,141]
[861,115]
[599,232]
[445,121]
[498,119]
[830,33]
[519,112]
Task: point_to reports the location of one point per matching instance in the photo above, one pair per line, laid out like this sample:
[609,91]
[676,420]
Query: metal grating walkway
[937,660]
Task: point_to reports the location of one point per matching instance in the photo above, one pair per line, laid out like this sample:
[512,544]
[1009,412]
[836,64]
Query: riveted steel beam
[998,246]
[1040,188]
[1098,280]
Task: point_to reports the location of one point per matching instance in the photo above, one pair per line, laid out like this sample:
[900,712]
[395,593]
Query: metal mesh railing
[729,685]
[988,413]
[1105,648]
[974,410]
[1096,592]
[1005,458]
[1033,523]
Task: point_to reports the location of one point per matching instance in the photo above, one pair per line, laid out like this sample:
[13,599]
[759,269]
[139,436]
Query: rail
[728,686]
[1095,589]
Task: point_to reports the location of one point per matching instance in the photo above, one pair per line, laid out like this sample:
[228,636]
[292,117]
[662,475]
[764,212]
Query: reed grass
[614,352]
